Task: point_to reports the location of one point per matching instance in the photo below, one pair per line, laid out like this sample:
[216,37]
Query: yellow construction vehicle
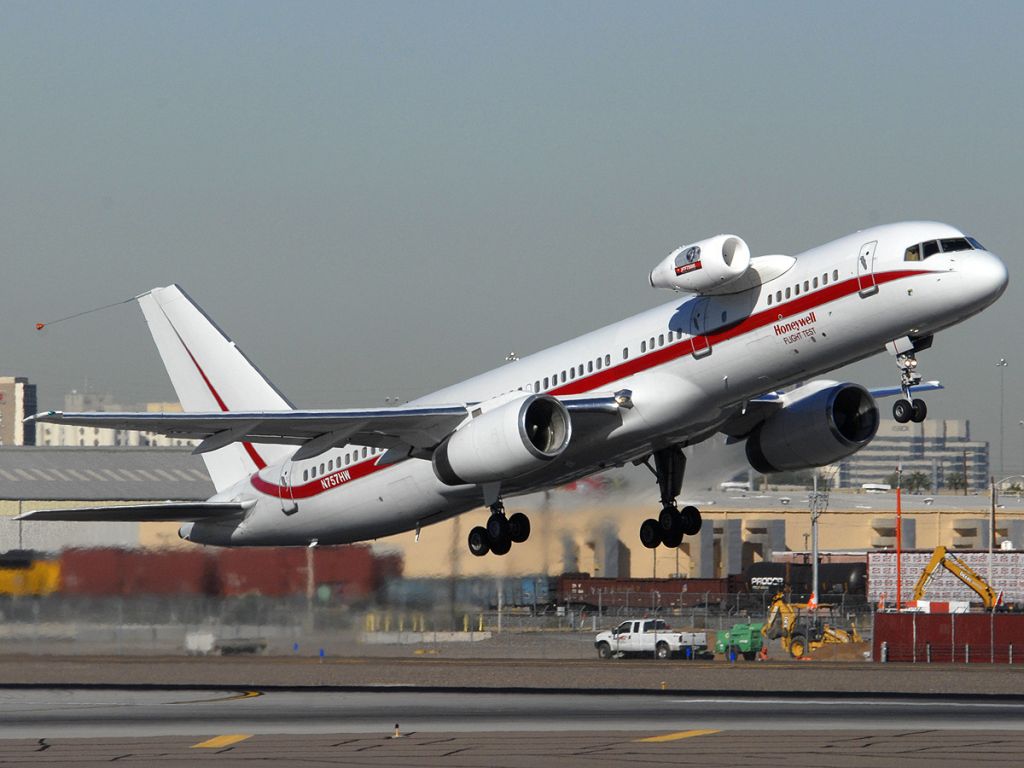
[942,557]
[800,630]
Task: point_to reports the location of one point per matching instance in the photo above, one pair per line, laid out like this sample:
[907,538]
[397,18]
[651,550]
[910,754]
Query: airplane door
[284,490]
[699,327]
[866,270]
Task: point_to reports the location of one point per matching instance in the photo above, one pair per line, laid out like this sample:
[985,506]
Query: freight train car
[24,573]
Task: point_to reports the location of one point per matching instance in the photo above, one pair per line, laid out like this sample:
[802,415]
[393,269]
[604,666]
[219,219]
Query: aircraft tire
[501,546]
[920,411]
[670,520]
[479,541]
[692,521]
[497,528]
[672,539]
[902,411]
[650,533]
[519,528]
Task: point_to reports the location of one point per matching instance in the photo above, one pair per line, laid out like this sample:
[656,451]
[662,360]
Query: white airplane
[712,360]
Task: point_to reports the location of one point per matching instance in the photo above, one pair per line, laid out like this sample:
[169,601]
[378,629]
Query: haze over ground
[376,200]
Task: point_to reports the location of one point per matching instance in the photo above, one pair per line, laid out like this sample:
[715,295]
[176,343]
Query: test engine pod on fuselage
[703,267]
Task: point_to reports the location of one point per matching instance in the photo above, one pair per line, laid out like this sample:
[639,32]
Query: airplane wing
[169,511]
[400,429]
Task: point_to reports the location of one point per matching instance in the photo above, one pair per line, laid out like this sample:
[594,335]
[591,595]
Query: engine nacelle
[703,267]
[505,442]
[819,424]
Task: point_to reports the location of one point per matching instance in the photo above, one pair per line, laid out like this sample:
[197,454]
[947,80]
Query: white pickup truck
[649,637]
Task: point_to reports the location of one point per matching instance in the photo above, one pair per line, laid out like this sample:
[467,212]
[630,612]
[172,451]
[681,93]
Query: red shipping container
[95,572]
[184,572]
[952,637]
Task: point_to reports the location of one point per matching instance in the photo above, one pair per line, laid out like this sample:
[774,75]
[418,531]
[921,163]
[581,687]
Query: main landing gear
[500,533]
[672,523]
[906,409]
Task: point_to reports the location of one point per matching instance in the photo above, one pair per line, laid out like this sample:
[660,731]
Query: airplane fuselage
[689,364]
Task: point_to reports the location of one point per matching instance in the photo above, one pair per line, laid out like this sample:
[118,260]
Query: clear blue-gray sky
[377,199]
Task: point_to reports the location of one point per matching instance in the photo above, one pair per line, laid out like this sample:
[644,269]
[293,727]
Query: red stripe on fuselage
[256,458]
[673,351]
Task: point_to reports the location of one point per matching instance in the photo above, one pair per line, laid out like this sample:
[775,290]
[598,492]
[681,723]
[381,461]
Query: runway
[490,728]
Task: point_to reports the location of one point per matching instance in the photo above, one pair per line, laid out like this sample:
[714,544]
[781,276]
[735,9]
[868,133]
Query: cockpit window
[922,251]
[955,244]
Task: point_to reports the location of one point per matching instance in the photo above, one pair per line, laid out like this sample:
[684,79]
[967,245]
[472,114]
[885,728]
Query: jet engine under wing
[401,428]
[169,511]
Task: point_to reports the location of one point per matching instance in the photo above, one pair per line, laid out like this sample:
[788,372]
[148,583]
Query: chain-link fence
[78,625]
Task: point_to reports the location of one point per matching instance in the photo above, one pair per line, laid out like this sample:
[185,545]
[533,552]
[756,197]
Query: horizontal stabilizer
[169,511]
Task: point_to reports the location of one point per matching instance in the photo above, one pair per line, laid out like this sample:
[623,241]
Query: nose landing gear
[672,523]
[500,533]
[906,409]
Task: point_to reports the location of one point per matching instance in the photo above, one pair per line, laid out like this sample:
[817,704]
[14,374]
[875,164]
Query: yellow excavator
[941,557]
[800,632]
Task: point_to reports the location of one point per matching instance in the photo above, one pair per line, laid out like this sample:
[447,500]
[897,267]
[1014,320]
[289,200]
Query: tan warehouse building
[591,530]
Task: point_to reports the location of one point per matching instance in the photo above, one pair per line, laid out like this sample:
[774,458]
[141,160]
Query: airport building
[942,451]
[67,435]
[17,400]
[591,528]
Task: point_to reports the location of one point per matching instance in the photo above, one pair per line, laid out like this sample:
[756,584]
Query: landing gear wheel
[902,411]
[798,646]
[502,545]
[650,533]
[670,520]
[498,528]
[519,528]
[479,541]
[672,539]
[920,410]
[692,521]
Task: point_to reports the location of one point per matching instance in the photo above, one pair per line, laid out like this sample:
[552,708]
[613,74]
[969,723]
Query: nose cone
[985,276]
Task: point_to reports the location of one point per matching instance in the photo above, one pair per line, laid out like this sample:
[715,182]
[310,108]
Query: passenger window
[643,347]
[824,279]
[930,249]
[913,253]
[572,373]
[661,339]
[796,289]
[581,369]
[815,282]
[778,295]
[608,359]
[807,286]
[563,377]
[788,293]
[769,299]
[652,342]
[590,366]
[321,469]
[599,363]
[625,353]
[330,465]
[536,386]
[545,382]
[305,475]
[835,274]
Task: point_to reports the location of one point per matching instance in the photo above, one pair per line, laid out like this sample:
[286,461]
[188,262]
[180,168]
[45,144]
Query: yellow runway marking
[222,741]
[679,735]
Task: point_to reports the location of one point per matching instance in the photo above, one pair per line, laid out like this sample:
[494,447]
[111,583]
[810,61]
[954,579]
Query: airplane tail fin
[210,373]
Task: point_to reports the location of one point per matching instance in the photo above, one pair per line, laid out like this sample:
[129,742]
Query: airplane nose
[988,274]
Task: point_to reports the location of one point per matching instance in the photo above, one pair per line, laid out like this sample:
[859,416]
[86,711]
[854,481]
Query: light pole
[1002,399]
